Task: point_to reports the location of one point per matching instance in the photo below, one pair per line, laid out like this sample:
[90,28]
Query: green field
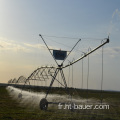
[10,109]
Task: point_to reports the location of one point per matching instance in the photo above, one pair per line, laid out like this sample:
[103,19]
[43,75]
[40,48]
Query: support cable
[72,81]
[37,88]
[61,81]
[87,78]
[72,72]
[88,74]
[72,76]
[58,79]
[69,76]
[102,75]
[82,75]
[33,88]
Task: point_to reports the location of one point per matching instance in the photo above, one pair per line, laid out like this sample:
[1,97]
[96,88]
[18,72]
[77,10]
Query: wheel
[43,104]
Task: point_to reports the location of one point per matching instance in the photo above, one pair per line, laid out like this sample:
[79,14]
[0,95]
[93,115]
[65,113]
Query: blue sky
[22,50]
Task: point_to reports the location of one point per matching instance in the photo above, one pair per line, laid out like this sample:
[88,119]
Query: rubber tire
[43,104]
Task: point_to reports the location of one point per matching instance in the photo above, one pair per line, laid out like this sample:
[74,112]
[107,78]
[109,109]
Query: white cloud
[10,45]
[38,46]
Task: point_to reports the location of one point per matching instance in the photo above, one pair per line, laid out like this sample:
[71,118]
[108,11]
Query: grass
[11,110]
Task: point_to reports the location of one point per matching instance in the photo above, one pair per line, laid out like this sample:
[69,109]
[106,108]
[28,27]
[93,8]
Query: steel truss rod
[58,81]
[35,73]
[29,78]
[86,54]
[63,77]
[54,77]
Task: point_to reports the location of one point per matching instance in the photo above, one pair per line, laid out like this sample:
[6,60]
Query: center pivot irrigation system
[49,72]
[62,55]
